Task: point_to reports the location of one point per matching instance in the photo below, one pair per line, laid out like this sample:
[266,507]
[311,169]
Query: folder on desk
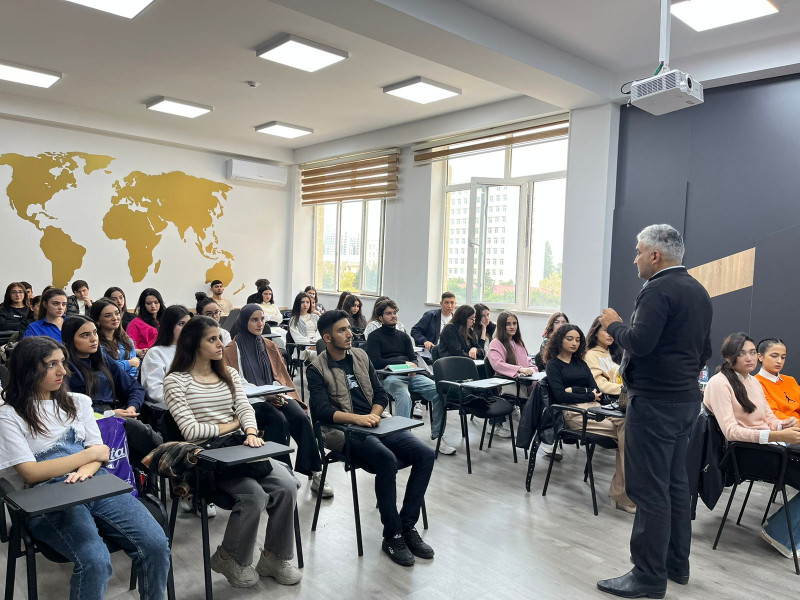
[403,367]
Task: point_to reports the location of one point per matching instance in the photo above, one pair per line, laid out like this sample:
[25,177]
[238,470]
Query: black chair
[449,373]
[331,456]
[580,437]
[229,321]
[22,543]
[5,376]
[758,462]
[205,494]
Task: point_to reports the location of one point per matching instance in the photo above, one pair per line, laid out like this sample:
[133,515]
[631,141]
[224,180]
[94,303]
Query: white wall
[251,226]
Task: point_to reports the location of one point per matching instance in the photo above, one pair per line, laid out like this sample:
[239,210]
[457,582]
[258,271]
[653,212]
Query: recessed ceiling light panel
[300,53]
[422,90]
[284,130]
[701,15]
[123,8]
[28,75]
[178,107]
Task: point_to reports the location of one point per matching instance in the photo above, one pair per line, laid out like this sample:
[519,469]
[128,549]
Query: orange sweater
[783,396]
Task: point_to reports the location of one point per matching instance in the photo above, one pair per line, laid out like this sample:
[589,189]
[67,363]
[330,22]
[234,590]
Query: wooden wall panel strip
[727,274]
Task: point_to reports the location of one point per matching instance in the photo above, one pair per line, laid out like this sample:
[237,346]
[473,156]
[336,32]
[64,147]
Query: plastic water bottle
[703,375]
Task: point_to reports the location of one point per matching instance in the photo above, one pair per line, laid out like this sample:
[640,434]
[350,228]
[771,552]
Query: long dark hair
[479,308]
[591,341]
[342,297]
[166,331]
[356,320]
[295,317]
[113,289]
[186,350]
[460,318]
[501,334]
[309,288]
[557,339]
[731,347]
[548,330]
[120,338]
[7,298]
[47,295]
[264,288]
[141,310]
[26,369]
[96,361]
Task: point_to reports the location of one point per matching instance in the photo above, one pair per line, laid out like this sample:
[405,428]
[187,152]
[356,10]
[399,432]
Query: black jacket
[707,479]
[15,319]
[74,309]
[428,327]
[452,343]
[669,339]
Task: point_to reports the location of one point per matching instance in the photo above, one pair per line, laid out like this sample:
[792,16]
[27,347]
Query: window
[514,203]
[348,246]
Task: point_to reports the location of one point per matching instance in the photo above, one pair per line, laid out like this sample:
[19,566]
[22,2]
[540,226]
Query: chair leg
[30,566]
[298,542]
[469,458]
[355,511]
[549,470]
[725,516]
[3,526]
[162,489]
[173,517]
[171,581]
[589,453]
[491,435]
[424,515]
[513,440]
[746,497]
[769,504]
[483,434]
[531,463]
[11,562]
[791,533]
[206,548]
[319,495]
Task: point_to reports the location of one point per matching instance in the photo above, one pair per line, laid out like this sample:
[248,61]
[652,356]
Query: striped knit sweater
[199,408]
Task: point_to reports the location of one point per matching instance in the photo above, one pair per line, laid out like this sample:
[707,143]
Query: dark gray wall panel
[731,314]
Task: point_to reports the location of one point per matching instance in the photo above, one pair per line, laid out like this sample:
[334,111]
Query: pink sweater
[142,334]
[736,424]
[497,358]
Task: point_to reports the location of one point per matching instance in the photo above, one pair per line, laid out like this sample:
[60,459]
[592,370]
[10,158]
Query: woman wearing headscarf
[259,362]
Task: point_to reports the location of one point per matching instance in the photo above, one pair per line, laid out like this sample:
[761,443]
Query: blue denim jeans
[776,524]
[78,533]
[400,387]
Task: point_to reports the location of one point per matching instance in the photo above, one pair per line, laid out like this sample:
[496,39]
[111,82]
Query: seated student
[373,322]
[387,346]
[259,362]
[484,328]
[111,390]
[15,314]
[207,400]
[217,288]
[303,325]
[312,293]
[51,314]
[782,391]
[79,303]
[35,303]
[273,315]
[28,293]
[118,296]
[555,321]
[208,307]
[428,329]
[352,306]
[603,364]
[143,329]
[737,400]
[114,342]
[342,297]
[571,382]
[255,297]
[508,355]
[345,389]
[158,359]
[50,435]
[458,337]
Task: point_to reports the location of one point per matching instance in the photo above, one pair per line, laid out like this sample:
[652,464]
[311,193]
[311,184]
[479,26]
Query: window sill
[527,312]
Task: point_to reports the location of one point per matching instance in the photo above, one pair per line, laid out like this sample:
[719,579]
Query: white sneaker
[386,414]
[327,490]
[416,412]
[776,544]
[239,576]
[502,431]
[548,450]
[516,414]
[187,505]
[281,571]
[445,448]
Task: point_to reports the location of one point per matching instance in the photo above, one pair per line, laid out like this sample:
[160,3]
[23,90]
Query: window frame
[362,244]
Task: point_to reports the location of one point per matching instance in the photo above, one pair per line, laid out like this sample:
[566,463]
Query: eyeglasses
[19,292]
[216,313]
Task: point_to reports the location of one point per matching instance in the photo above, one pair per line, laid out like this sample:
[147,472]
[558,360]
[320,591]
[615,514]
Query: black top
[452,343]
[388,346]
[428,327]
[127,317]
[669,340]
[126,389]
[576,373]
[15,319]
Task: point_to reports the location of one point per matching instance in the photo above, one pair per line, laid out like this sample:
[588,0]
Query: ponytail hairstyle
[731,348]
[188,343]
[120,338]
[767,343]
[203,300]
[97,363]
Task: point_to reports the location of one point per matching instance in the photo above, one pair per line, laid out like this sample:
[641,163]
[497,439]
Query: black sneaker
[397,550]
[416,544]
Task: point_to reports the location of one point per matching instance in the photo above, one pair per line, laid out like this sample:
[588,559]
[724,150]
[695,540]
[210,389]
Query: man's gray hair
[664,238]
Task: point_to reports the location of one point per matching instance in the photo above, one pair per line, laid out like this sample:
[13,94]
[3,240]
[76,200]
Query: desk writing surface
[387,426]
[606,412]
[236,455]
[270,336]
[485,384]
[53,497]
[408,371]
[265,390]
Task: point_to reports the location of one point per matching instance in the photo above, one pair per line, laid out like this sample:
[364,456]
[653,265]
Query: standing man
[426,331]
[666,346]
[225,306]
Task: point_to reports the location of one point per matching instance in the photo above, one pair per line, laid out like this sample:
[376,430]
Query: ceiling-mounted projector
[668,91]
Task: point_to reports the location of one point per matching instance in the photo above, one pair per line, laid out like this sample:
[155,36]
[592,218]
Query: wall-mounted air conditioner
[243,171]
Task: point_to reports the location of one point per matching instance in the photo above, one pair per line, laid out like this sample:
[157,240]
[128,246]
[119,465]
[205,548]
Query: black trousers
[142,439]
[656,443]
[279,424]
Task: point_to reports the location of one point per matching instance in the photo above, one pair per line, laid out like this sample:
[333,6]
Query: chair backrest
[289,338]
[4,376]
[169,429]
[267,329]
[434,353]
[321,346]
[756,461]
[453,368]
[489,368]
[230,320]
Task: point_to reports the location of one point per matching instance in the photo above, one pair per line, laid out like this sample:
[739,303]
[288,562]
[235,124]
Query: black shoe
[681,577]
[415,543]
[397,550]
[628,587]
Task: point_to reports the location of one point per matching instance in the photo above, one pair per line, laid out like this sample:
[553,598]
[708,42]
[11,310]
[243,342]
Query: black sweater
[15,319]
[387,346]
[669,340]
[576,373]
[452,343]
